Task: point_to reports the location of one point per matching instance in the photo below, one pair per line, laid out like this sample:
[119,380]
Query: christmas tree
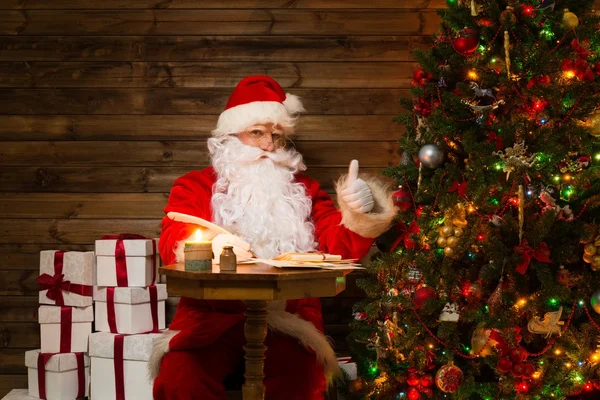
[488,286]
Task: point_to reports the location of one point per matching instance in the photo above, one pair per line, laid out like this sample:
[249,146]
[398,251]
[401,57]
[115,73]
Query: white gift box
[18,394]
[49,318]
[78,268]
[133,247]
[133,313]
[139,270]
[136,353]
[61,375]
[349,367]
[141,257]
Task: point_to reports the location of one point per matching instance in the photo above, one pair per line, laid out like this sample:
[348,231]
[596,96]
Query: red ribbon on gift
[66,324]
[121,258]
[460,188]
[405,233]
[110,309]
[56,284]
[118,360]
[111,314]
[41,364]
[541,253]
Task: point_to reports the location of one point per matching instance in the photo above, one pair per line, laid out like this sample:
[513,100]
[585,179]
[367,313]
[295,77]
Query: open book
[284,260]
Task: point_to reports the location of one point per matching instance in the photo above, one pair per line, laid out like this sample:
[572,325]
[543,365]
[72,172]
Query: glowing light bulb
[430,346]
[569,74]
[568,365]
[536,375]
[472,74]
[558,352]
[522,302]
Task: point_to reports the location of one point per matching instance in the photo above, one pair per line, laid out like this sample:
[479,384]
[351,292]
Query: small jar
[228,260]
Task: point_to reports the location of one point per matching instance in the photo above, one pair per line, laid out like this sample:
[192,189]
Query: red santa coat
[201,322]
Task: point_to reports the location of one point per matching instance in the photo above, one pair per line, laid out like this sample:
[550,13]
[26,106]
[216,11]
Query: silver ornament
[431,156]
[595,301]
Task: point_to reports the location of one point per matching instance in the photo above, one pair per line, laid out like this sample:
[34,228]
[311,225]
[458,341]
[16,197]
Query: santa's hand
[357,194]
[240,247]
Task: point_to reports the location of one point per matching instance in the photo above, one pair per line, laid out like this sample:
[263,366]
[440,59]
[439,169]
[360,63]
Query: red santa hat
[258,99]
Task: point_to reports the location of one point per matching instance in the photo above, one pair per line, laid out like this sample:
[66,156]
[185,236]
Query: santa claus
[256,190]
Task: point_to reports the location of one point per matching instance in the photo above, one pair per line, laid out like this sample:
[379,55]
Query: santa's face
[256,196]
[266,136]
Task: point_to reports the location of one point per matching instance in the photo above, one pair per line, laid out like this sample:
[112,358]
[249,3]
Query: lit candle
[198,254]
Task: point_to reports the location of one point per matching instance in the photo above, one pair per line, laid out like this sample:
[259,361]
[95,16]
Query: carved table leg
[255,330]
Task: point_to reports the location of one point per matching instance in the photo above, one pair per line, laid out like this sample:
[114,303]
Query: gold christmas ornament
[441,242]
[452,241]
[588,258]
[596,261]
[460,222]
[570,20]
[458,232]
[449,252]
[594,123]
[590,249]
[447,231]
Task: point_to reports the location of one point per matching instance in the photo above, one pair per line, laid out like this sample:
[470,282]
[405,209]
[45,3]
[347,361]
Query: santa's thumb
[352,172]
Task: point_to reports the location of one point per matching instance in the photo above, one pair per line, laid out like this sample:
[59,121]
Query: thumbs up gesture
[357,194]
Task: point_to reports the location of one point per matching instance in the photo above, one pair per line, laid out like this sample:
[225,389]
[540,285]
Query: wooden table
[255,284]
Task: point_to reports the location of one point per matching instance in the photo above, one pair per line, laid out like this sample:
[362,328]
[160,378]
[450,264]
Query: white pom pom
[292,104]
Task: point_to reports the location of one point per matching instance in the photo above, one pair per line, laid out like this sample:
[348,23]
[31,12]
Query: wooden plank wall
[104,103]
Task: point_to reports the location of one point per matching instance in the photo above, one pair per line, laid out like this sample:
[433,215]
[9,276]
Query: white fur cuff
[376,222]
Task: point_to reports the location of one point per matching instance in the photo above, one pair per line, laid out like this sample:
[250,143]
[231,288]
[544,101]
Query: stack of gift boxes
[130,313]
[121,279]
[61,368]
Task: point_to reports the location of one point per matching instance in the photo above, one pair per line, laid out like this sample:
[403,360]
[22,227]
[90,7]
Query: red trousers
[291,371]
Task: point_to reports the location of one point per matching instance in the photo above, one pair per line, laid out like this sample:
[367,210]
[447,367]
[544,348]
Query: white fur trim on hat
[237,119]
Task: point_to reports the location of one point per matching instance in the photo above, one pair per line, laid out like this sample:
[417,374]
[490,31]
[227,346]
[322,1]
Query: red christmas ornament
[517,370]
[504,365]
[427,380]
[413,393]
[423,295]
[449,378]
[528,370]
[402,199]
[413,379]
[518,355]
[467,41]
[421,77]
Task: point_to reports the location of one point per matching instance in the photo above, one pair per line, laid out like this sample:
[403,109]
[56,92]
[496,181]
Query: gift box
[65,329]
[18,394]
[130,355]
[139,271]
[127,262]
[66,277]
[130,309]
[348,366]
[57,376]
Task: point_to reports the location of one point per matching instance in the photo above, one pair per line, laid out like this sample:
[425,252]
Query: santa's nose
[266,142]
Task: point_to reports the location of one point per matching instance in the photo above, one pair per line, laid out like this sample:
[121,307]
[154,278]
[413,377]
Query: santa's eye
[256,132]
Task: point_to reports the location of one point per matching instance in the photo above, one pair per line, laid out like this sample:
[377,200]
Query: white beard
[256,198]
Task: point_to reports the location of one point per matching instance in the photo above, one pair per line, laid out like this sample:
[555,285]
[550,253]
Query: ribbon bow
[55,285]
[460,188]
[541,253]
[405,232]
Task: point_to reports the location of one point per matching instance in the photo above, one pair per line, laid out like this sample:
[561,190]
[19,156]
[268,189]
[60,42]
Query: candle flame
[198,235]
